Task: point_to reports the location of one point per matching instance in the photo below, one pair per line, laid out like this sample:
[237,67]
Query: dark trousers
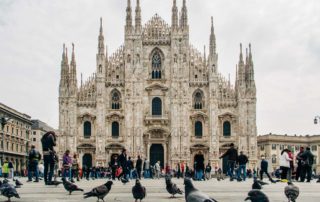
[264,171]
[231,165]
[299,172]
[139,173]
[113,170]
[284,173]
[75,173]
[48,168]
[307,171]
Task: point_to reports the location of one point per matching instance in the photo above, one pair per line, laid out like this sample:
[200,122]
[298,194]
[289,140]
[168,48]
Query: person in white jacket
[284,164]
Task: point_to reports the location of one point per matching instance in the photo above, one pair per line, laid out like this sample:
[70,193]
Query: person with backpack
[242,161]
[307,162]
[48,142]
[67,163]
[33,165]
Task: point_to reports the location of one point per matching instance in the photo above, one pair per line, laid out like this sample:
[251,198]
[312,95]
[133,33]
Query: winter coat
[242,159]
[232,154]
[307,157]
[285,160]
[264,165]
[139,164]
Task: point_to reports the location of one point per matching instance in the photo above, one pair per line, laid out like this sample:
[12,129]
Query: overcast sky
[285,37]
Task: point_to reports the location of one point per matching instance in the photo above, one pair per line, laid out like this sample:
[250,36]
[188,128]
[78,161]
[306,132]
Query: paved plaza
[156,191]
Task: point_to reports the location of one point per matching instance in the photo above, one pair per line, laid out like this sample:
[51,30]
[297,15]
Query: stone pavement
[156,192]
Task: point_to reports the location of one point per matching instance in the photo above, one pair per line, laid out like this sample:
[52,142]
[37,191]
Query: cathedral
[158,97]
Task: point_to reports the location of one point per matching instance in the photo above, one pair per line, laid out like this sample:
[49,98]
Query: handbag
[118,171]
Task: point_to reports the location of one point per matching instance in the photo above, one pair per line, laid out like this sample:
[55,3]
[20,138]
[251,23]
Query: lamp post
[316,120]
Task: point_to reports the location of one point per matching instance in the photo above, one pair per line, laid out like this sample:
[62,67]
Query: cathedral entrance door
[87,160]
[199,158]
[157,154]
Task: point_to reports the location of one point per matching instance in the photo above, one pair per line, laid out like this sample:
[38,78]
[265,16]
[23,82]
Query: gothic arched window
[198,100]
[87,129]
[115,129]
[198,129]
[156,106]
[115,100]
[156,65]
[226,128]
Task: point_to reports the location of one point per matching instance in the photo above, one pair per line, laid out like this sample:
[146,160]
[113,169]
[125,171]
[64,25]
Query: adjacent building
[271,145]
[15,130]
[39,128]
[158,97]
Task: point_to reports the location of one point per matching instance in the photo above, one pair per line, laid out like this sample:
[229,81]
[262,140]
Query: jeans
[244,170]
[33,169]
[146,173]
[48,168]
[231,165]
[199,175]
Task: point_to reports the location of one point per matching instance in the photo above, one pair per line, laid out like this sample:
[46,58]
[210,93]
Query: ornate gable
[156,32]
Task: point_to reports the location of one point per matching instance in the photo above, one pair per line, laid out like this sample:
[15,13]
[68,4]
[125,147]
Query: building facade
[271,146]
[15,130]
[39,128]
[157,96]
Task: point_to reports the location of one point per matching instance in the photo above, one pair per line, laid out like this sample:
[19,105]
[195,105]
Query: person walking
[123,163]
[232,155]
[182,169]
[11,169]
[5,168]
[299,159]
[157,169]
[139,166]
[264,169]
[146,168]
[48,142]
[67,163]
[208,171]
[291,166]
[130,167]
[307,158]
[114,166]
[178,169]
[33,167]
[242,161]
[75,168]
[284,165]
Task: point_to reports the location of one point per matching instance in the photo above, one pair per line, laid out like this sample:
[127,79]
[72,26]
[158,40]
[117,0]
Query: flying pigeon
[256,195]
[70,187]
[193,194]
[291,191]
[138,191]
[172,188]
[10,192]
[100,192]
[124,180]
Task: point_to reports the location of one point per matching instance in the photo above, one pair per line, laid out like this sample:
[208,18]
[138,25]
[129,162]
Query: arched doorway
[157,154]
[87,160]
[199,160]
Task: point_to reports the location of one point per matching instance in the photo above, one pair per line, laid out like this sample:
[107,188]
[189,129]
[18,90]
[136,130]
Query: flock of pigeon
[139,192]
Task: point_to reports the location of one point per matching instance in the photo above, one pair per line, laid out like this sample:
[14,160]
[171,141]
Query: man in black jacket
[139,167]
[123,163]
[299,171]
[232,155]
[48,141]
[264,169]
[34,158]
[307,158]
[242,161]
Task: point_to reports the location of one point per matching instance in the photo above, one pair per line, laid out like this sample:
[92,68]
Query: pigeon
[138,191]
[56,183]
[291,191]
[70,187]
[256,184]
[193,194]
[18,183]
[124,180]
[10,192]
[172,188]
[256,195]
[100,192]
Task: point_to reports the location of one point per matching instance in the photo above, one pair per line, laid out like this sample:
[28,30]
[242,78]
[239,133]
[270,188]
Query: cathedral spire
[138,17]
[174,17]
[212,40]
[73,70]
[129,17]
[204,55]
[101,40]
[73,60]
[184,16]
[241,55]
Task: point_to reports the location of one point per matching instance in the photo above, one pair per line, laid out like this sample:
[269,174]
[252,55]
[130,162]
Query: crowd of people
[123,167]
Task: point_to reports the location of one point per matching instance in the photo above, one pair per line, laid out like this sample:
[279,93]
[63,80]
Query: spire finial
[129,16]
[73,55]
[212,48]
[138,17]
[204,54]
[101,30]
[63,52]
[212,28]
[174,17]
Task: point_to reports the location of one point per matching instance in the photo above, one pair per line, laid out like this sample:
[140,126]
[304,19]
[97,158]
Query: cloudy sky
[285,37]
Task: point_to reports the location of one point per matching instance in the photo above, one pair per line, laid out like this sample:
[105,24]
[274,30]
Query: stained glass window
[156,66]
